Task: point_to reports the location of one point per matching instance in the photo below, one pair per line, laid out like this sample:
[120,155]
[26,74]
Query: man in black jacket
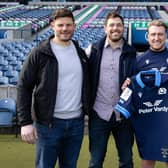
[111,61]
[54,80]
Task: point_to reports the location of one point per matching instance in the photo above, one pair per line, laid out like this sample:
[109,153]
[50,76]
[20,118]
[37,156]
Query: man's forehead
[62,19]
[156,28]
[114,20]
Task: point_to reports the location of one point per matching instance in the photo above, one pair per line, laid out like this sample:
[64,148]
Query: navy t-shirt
[153,60]
[145,101]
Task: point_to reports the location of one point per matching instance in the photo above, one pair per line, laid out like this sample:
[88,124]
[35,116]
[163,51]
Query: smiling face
[157,37]
[64,28]
[114,29]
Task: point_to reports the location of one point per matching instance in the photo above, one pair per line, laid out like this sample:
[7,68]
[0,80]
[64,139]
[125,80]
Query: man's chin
[65,40]
[157,49]
[116,40]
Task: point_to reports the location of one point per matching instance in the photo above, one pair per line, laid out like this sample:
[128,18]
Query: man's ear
[75,25]
[105,29]
[146,36]
[52,24]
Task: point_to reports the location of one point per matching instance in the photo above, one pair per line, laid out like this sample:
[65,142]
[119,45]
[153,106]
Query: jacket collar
[119,46]
[156,75]
[126,48]
[45,46]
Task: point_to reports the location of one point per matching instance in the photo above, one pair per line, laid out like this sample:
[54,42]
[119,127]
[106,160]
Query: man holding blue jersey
[156,57]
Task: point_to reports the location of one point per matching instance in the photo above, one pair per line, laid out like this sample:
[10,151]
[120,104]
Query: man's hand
[28,134]
[126,83]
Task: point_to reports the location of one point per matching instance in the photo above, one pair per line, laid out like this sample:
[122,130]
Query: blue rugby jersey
[153,60]
[145,101]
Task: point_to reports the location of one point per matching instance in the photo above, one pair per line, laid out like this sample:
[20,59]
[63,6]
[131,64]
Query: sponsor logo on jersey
[140,94]
[162,91]
[164,152]
[156,103]
[147,61]
[153,107]
[162,69]
[167,60]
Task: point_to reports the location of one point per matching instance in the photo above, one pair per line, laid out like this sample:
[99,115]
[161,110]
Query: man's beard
[115,39]
[66,39]
[158,49]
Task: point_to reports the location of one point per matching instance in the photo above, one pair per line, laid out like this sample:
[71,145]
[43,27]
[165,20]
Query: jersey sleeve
[124,104]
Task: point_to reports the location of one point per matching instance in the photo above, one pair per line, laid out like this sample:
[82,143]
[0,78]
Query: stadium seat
[4,80]
[8,117]
[1,73]
[6,67]
[3,61]
[13,80]
[11,73]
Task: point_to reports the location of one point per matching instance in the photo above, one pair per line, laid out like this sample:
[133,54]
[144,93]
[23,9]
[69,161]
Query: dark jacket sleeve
[134,64]
[25,88]
[86,81]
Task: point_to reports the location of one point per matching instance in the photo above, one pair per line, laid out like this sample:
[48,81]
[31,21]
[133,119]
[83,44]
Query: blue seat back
[8,105]
[6,119]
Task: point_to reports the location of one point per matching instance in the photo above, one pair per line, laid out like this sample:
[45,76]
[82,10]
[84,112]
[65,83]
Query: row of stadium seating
[90,21]
[39,16]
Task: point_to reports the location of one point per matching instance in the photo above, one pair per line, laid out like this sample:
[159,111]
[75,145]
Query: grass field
[16,154]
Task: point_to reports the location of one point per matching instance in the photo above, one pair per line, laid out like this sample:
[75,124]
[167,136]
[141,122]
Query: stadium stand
[89,20]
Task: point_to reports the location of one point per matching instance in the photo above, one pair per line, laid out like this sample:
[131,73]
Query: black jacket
[37,86]
[126,65]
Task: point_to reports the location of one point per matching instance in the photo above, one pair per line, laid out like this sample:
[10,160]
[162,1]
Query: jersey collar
[152,72]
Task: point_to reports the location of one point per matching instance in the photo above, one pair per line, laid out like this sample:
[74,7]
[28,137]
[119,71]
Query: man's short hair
[158,23]
[113,14]
[62,12]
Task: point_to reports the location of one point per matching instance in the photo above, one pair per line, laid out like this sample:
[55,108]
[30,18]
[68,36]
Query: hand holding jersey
[145,102]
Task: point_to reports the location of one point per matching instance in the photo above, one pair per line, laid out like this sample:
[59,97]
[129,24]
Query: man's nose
[157,36]
[115,26]
[64,27]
